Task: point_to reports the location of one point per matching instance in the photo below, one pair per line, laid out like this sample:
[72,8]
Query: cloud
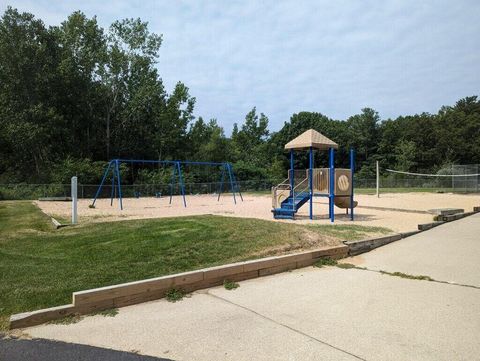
[398,57]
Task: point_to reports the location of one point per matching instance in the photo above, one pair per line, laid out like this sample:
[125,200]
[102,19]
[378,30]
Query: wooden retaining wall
[85,302]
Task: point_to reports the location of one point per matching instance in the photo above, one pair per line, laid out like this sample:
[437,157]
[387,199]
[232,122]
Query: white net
[470,181]
[456,178]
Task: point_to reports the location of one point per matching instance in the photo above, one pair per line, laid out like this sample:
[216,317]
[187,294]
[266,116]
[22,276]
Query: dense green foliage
[75,95]
[40,267]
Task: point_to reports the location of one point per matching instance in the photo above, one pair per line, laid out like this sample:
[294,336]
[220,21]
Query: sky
[334,57]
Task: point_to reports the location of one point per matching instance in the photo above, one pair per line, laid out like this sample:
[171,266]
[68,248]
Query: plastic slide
[344,202]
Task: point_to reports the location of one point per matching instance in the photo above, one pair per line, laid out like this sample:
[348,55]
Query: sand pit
[397,211]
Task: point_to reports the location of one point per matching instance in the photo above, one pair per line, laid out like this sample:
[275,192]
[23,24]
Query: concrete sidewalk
[317,314]
[449,252]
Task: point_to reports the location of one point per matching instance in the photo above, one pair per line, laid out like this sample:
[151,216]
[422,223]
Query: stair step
[283,216]
[283,210]
[290,206]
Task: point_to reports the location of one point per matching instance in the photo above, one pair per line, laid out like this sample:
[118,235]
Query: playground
[397,211]
[315,195]
[128,233]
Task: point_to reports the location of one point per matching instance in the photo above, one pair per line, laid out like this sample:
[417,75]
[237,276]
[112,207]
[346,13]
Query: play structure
[302,186]
[114,166]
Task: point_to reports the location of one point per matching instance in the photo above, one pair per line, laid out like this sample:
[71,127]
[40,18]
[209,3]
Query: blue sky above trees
[398,57]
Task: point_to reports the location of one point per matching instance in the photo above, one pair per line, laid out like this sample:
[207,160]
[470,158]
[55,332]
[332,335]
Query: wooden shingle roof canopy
[311,138]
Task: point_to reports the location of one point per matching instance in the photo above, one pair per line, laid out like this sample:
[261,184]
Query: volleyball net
[455,178]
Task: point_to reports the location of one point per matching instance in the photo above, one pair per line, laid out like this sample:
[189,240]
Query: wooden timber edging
[86,302]
[56,223]
[125,294]
[441,219]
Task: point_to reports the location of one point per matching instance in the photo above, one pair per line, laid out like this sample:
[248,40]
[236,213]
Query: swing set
[113,168]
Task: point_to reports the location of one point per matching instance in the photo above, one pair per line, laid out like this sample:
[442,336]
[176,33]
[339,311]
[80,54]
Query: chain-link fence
[24,191]
[398,182]
[466,184]
[402,182]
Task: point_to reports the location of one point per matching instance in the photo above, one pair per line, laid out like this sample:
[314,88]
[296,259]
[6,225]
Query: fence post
[74,200]
[378,180]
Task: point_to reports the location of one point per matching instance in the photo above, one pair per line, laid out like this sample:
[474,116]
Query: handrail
[285,185]
[298,185]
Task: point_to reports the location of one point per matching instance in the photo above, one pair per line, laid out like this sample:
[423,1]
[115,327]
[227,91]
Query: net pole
[74,183]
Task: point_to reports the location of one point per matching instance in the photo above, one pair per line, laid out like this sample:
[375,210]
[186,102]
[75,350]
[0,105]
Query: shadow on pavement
[46,350]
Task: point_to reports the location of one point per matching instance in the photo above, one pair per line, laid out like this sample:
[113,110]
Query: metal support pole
[352,170]
[221,183]
[172,183]
[182,186]
[112,193]
[310,181]
[332,185]
[292,174]
[236,183]
[378,180]
[231,182]
[103,181]
[74,199]
[117,168]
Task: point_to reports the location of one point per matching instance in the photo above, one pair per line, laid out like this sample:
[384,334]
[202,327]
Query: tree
[250,145]
[405,155]
[28,83]
[131,52]
[253,133]
[82,48]
[364,132]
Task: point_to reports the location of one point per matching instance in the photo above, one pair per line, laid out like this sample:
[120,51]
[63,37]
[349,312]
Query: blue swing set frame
[114,167]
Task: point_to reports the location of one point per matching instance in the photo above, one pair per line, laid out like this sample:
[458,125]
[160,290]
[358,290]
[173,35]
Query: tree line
[76,95]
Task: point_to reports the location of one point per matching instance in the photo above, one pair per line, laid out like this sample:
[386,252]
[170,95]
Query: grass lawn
[40,266]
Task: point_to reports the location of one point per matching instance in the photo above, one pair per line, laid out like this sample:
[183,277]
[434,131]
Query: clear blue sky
[335,57]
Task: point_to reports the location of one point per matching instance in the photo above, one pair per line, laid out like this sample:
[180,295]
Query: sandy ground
[397,211]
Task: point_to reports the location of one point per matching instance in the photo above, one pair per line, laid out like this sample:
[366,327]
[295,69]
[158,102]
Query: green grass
[327,261]
[230,285]
[393,274]
[349,266]
[111,312]
[174,295]
[408,276]
[67,320]
[40,267]
[71,319]
[21,218]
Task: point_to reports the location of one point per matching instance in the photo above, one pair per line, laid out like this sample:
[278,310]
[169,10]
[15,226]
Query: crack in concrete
[286,326]
[388,273]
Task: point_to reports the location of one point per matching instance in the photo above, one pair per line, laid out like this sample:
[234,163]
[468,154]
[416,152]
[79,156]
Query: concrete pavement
[449,252]
[317,314]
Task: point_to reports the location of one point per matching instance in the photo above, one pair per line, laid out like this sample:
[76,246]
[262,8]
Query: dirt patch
[377,211]
[307,240]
